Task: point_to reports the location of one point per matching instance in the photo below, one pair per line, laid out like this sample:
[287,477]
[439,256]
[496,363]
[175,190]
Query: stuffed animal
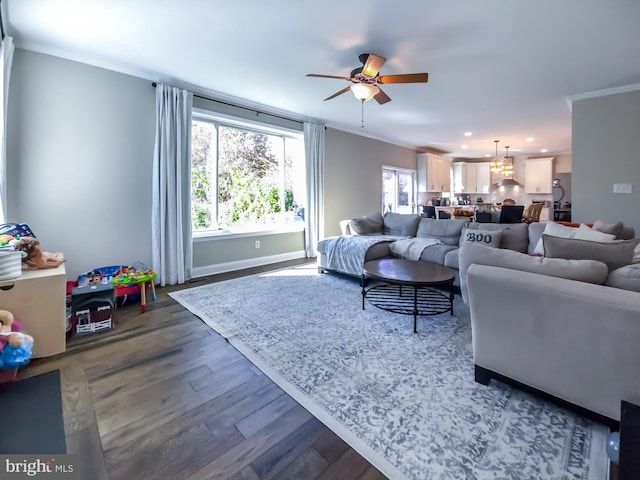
[35,256]
[9,331]
[15,346]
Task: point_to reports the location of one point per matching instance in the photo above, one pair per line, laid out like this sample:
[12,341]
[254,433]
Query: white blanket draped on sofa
[346,254]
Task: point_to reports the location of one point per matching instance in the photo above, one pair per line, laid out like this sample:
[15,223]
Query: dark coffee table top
[409,272]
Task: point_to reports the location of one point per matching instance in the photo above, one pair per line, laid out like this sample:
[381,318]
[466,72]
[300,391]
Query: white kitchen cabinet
[434,173]
[471,177]
[539,175]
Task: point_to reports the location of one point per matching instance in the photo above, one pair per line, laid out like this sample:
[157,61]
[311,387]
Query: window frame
[221,119]
[414,176]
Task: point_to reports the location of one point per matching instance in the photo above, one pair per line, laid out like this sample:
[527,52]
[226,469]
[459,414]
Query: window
[245,176]
[398,187]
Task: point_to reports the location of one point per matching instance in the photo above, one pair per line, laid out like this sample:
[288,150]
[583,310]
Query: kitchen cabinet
[434,173]
[471,177]
[539,175]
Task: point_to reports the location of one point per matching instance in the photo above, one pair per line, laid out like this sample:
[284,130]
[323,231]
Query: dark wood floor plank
[372,473]
[128,417]
[265,415]
[349,465]
[188,419]
[239,457]
[132,411]
[269,465]
[77,404]
[90,457]
[307,466]
[330,446]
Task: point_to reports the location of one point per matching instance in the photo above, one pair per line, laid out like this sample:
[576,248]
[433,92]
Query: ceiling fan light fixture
[364,91]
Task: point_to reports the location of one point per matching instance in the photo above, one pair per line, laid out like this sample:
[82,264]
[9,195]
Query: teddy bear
[15,346]
[35,256]
[9,331]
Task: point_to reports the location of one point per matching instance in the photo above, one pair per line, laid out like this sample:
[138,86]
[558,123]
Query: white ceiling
[500,69]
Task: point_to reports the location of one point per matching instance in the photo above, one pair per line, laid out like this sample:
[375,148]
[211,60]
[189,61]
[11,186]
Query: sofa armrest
[574,340]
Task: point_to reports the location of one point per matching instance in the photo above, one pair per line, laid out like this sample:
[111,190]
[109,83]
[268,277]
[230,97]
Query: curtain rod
[257,112]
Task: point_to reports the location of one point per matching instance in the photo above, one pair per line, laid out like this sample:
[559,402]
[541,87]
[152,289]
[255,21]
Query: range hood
[509,182]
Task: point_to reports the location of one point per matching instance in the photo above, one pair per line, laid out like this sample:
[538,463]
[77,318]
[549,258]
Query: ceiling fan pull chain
[362,114]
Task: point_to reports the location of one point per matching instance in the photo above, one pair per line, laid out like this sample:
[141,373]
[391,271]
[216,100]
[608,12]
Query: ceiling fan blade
[404,78]
[344,90]
[373,65]
[381,97]
[326,76]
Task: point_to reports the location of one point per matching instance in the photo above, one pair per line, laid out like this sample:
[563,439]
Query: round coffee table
[395,273]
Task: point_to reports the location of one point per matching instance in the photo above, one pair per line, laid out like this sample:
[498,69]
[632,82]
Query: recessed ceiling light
[468,134]
[465,146]
[487,154]
[529,139]
[544,150]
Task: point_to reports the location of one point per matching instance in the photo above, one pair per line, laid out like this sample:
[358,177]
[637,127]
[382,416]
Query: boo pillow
[483,237]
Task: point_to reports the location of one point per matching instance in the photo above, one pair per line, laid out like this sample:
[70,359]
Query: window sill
[252,231]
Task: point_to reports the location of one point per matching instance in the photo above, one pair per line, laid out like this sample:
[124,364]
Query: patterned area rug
[407,402]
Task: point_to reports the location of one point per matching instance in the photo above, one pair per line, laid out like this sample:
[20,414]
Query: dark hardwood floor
[163,396]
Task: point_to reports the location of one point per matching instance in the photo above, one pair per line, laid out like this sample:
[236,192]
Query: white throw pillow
[483,237]
[585,232]
[555,230]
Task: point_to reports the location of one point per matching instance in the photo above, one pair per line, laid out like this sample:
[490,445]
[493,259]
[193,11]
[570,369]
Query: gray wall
[605,151]
[79,152]
[79,166]
[353,175]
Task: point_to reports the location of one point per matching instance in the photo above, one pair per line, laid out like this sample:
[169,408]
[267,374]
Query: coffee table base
[409,300]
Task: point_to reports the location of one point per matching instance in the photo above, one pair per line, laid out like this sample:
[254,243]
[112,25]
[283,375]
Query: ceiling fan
[365,79]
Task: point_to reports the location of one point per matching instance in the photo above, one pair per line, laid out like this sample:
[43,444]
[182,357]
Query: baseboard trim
[247,263]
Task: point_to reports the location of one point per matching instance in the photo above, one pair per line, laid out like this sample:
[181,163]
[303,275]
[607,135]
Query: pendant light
[507,171]
[496,165]
[507,168]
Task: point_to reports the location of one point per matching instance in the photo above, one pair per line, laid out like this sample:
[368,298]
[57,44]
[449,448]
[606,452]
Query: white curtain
[314,157]
[6,57]
[171,211]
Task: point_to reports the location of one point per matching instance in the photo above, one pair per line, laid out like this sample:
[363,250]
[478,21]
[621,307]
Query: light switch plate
[622,188]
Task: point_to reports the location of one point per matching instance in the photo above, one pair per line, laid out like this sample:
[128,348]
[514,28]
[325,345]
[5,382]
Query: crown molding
[603,93]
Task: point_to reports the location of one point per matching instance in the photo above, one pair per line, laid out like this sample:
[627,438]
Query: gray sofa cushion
[614,254]
[401,224]
[535,235]
[627,278]
[591,271]
[514,236]
[452,259]
[371,224]
[606,227]
[437,253]
[448,231]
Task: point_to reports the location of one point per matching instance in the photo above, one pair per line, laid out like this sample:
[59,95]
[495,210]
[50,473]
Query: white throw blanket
[346,254]
[412,248]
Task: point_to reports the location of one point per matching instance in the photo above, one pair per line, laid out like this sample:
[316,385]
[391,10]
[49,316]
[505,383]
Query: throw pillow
[614,254]
[368,225]
[401,224]
[557,230]
[606,227]
[587,233]
[483,237]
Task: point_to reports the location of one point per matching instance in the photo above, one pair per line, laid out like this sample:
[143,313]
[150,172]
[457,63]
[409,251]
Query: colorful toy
[138,274]
[15,346]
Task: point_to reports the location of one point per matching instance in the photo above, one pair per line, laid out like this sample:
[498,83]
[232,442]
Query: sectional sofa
[375,236]
[565,324]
